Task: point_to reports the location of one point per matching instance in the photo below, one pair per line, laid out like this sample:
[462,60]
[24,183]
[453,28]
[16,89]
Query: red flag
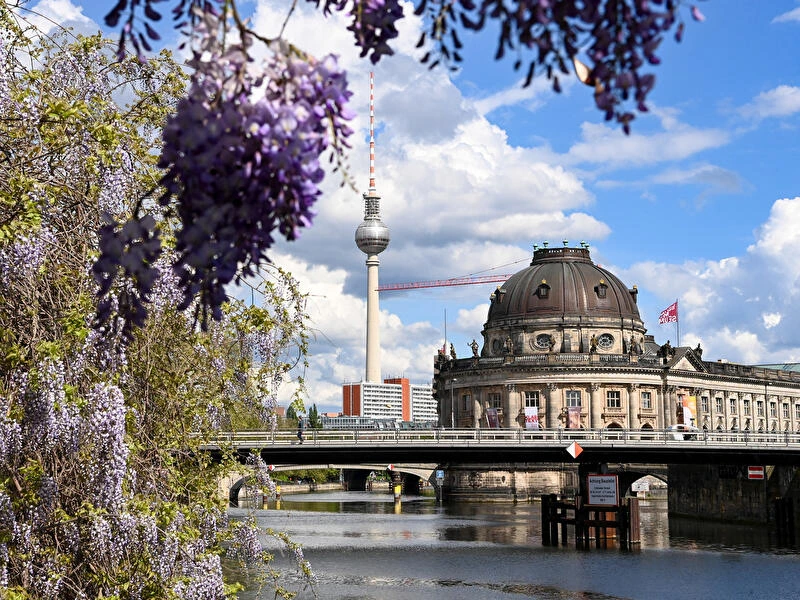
[669,314]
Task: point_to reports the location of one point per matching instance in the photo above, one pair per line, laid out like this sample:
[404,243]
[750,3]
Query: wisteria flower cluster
[242,166]
[133,247]
[103,492]
[617,37]
[373,25]
[241,157]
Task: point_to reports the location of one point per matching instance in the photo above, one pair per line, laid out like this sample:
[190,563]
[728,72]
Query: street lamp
[452,406]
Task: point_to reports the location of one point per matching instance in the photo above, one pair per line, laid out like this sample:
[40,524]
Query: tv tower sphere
[372,236]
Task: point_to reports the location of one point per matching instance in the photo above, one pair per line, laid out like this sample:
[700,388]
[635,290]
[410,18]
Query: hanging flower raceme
[242,159]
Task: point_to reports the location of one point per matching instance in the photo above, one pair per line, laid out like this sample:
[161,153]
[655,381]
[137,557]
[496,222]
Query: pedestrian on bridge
[300,426]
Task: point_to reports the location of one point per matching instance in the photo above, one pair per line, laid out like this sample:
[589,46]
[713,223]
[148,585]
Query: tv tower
[372,238]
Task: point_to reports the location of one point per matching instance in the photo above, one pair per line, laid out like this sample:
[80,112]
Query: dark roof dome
[563,283]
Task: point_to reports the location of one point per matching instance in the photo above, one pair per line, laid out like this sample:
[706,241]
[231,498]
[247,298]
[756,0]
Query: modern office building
[395,398]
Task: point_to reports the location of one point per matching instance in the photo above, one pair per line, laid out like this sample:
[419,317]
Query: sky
[700,204]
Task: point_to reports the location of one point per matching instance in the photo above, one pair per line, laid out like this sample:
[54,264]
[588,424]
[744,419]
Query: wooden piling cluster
[603,524]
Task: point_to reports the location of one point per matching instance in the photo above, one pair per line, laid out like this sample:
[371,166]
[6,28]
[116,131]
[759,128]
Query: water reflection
[364,547]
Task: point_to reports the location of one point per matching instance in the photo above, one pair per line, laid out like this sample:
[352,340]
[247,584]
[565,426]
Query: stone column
[698,394]
[477,413]
[670,400]
[553,406]
[596,407]
[513,404]
[739,411]
[634,407]
[712,409]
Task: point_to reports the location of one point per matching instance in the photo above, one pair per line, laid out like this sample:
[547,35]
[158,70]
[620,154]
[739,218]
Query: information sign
[439,474]
[603,490]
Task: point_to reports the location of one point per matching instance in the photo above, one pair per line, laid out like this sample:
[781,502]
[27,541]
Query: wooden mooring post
[590,522]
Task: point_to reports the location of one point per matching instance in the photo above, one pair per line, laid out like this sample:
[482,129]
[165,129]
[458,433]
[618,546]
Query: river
[362,547]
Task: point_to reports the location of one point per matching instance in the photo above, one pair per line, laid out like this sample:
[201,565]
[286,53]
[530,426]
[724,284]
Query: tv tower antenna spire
[372,238]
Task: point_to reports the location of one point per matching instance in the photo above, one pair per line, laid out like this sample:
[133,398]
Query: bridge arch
[411,476]
[629,476]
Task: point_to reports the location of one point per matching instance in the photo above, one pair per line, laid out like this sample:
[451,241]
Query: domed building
[564,346]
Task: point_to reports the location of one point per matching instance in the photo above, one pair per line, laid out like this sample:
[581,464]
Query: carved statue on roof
[666,351]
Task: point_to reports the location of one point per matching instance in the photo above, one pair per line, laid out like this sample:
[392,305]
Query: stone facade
[564,338]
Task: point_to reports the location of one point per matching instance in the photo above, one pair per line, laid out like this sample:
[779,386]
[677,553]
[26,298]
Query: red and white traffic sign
[574,450]
[755,472]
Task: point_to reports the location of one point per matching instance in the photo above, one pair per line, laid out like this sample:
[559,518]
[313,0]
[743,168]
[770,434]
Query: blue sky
[701,203]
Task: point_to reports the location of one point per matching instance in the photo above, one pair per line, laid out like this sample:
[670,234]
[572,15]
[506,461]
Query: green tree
[314,421]
[291,415]
[103,489]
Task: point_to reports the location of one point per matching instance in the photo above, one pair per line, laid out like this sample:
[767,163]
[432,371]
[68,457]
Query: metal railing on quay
[494,437]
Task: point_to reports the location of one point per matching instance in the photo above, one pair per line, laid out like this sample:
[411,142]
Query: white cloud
[527,225]
[610,147]
[48,15]
[711,179]
[713,176]
[530,97]
[792,15]
[737,346]
[470,321]
[778,244]
[781,101]
[745,306]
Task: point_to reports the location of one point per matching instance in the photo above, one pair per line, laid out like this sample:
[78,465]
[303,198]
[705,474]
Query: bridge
[489,446]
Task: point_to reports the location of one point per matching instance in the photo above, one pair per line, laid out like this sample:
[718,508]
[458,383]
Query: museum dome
[562,290]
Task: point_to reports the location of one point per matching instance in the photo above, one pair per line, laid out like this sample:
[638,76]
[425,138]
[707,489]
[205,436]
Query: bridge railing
[504,437]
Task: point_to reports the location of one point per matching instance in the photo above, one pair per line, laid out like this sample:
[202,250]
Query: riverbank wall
[732,493]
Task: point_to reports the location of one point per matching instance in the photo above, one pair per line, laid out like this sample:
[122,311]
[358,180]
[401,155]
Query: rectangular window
[532,399]
[613,400]
[797,411]
[573,397]
[785,411]
[704,404]
[466,398]
[773,409]
[732,402]
[647,401]
[759,408]
[494,400]
[746,407]
[718,404]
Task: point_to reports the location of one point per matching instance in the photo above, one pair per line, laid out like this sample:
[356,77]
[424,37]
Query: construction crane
[414,285]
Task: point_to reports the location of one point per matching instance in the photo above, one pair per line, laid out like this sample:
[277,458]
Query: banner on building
[669,314]
[531,417]
[492,418]
[690,410]
[574,417]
